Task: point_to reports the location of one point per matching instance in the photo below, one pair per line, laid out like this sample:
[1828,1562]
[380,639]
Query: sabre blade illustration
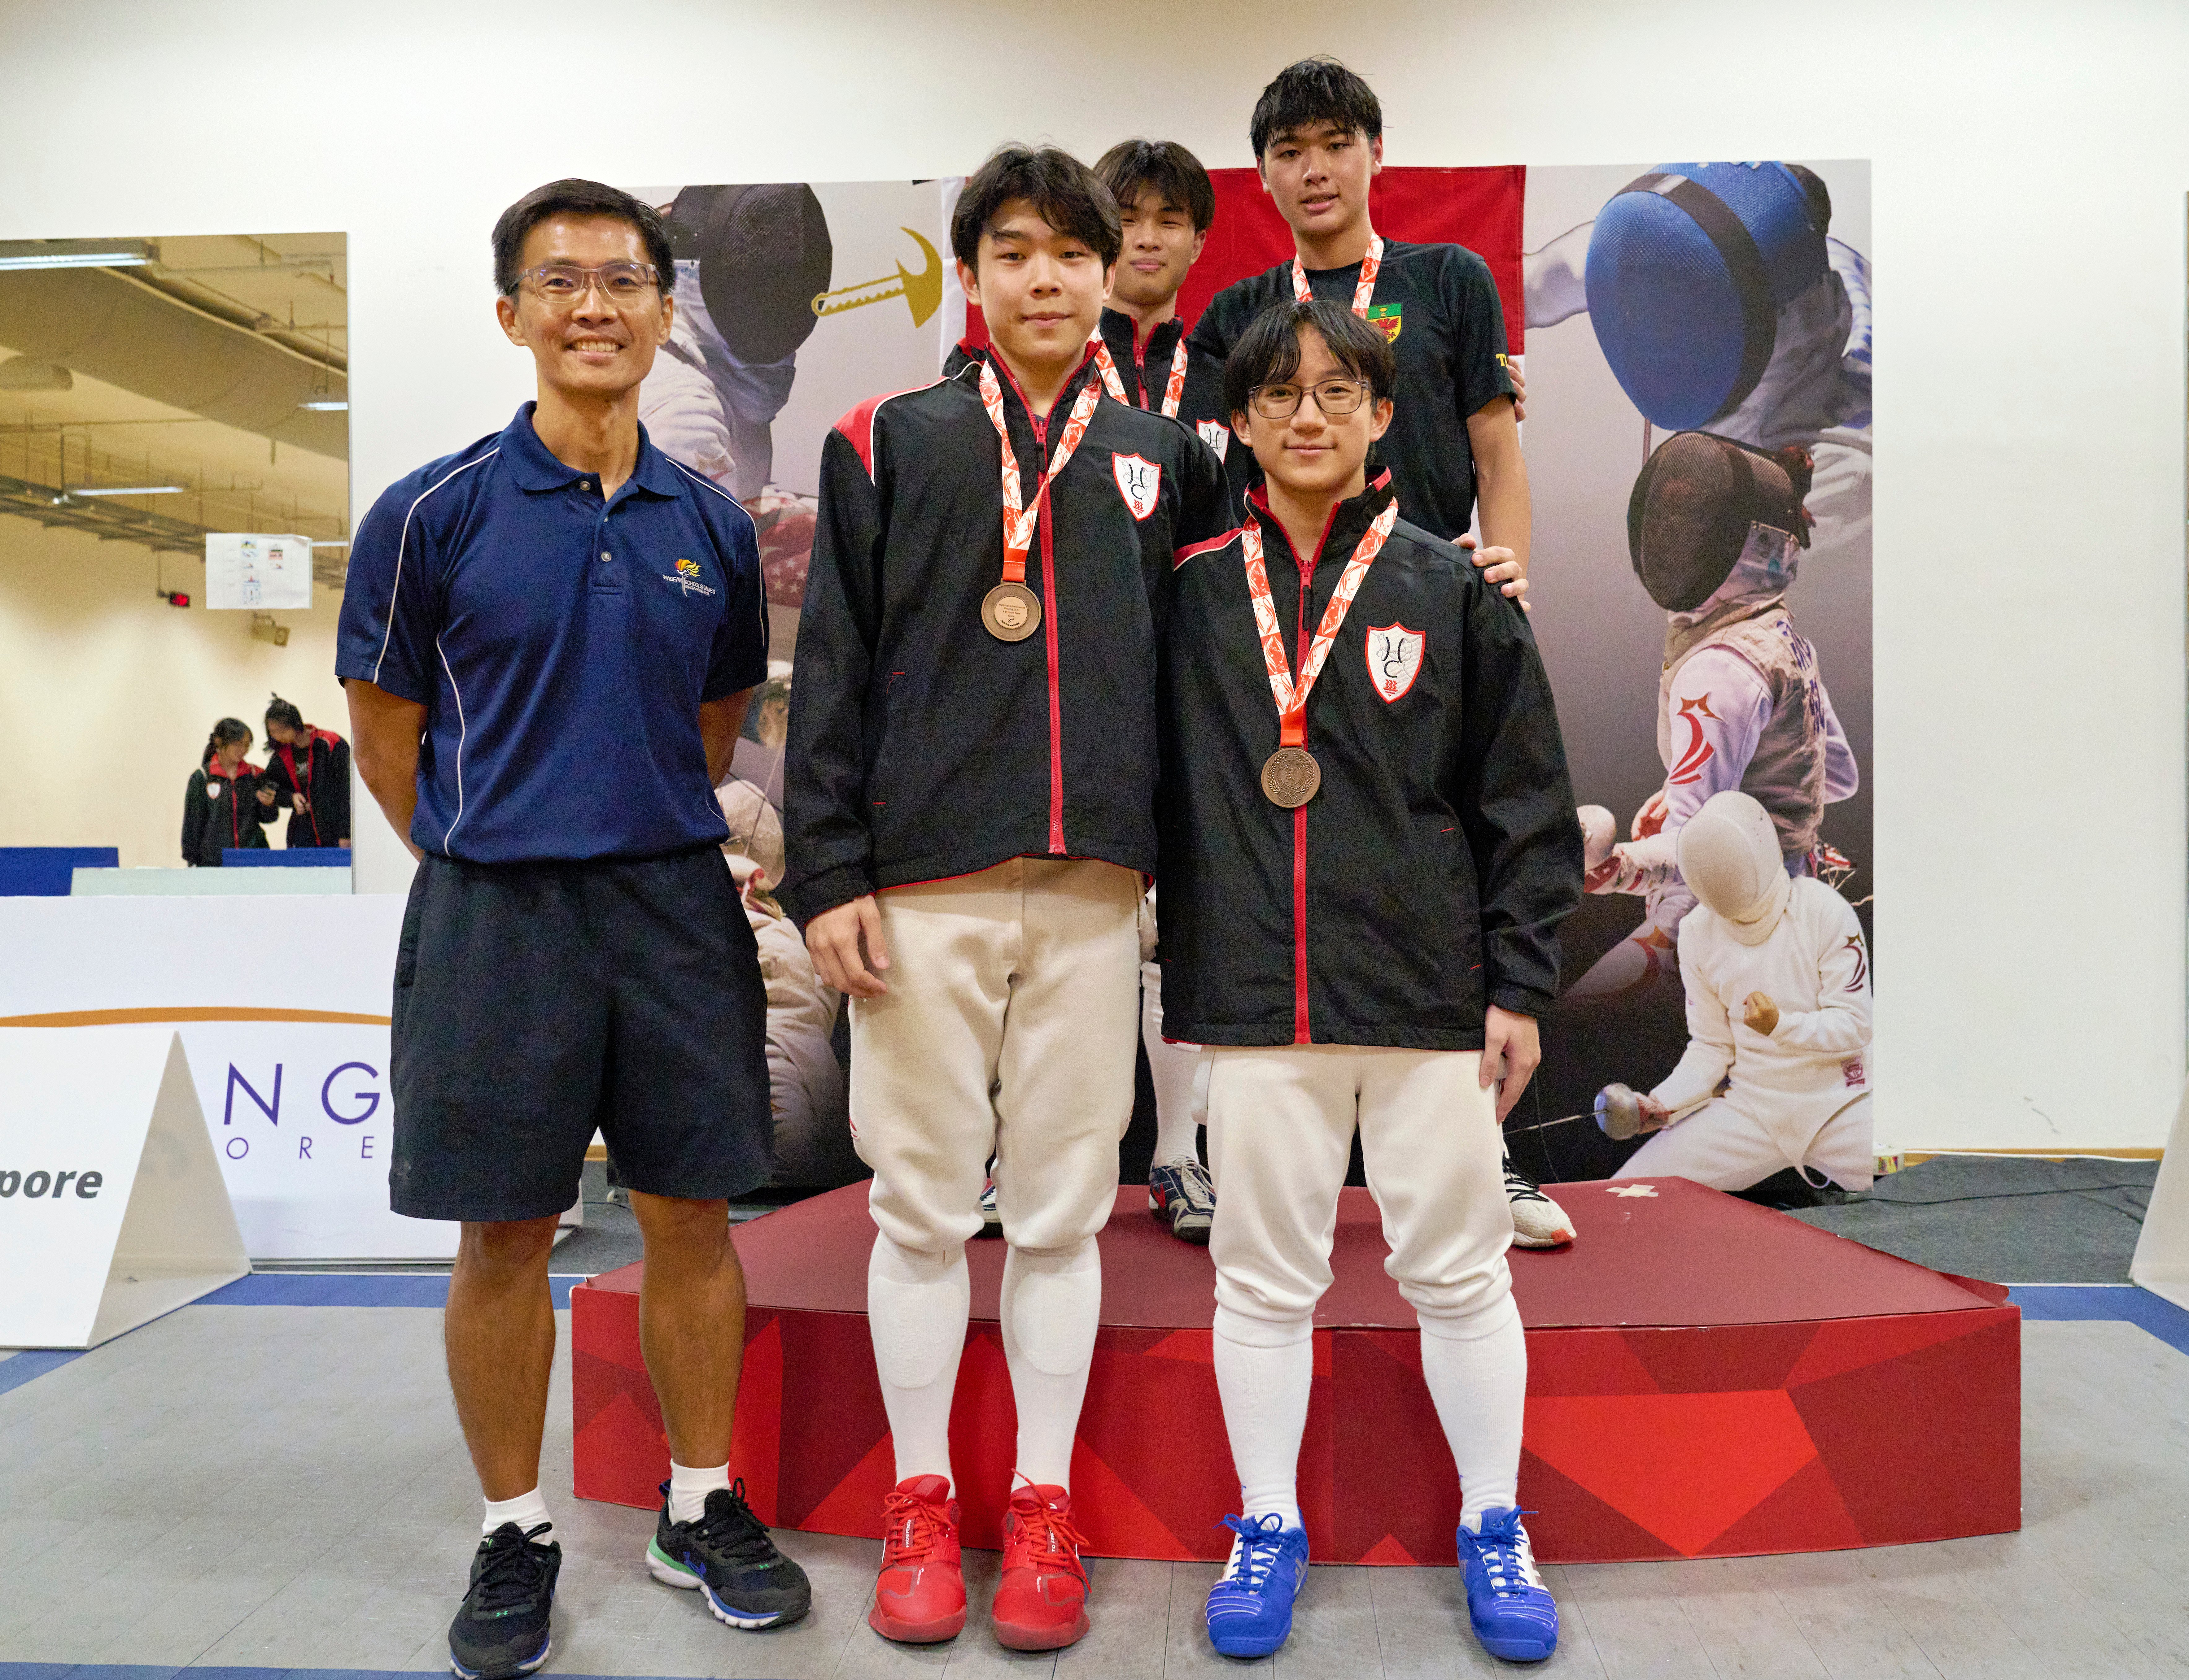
[921,292]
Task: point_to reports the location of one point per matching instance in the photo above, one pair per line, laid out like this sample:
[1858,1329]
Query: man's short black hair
[1269,352]
[1313,92]
[1067,194]
[575,197]
[1133,168]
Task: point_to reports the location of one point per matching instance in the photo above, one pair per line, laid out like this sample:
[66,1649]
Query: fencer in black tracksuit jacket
[921,746]
[223,813]
[1426,878]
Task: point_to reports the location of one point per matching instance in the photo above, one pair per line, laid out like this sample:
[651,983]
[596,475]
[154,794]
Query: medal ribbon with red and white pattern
[1363,290]
[1291,700]
[1173,388]
[1019,516]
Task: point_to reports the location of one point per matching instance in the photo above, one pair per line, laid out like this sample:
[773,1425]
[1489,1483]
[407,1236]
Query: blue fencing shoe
[1250,1610]
[1513,1614]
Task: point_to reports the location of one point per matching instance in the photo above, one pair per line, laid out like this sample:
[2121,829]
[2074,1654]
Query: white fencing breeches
[1724,1146]
[1007,1029]
[1281,1125]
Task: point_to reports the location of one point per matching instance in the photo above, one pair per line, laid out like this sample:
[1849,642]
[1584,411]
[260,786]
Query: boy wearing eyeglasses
[548,640]
[1366,843]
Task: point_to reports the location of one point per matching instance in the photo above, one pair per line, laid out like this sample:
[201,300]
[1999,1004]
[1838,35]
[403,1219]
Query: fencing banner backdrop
[1697,356]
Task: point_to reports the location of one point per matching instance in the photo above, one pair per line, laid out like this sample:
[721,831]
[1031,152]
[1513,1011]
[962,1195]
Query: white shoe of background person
[1538,1222]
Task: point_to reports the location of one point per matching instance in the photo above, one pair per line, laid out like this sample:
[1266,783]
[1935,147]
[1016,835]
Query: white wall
[2030,167]
[109,692]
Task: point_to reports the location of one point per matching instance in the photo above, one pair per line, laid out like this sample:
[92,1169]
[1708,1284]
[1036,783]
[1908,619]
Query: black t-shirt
[1438,305]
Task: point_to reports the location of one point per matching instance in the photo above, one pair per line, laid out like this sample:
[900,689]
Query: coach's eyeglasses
[1336,397]
[564,283]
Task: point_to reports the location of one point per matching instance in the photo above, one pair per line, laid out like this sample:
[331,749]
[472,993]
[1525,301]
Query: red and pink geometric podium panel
[1706,1378]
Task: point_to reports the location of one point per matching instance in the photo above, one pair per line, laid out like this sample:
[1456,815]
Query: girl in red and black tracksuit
[309,770]
[226,806]
[1367,843]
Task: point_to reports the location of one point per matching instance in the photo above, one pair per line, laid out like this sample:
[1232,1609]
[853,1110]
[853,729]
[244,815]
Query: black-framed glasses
[1336,397]
[564,283]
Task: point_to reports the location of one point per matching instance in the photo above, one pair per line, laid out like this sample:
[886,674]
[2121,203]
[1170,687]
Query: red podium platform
[1706,1378]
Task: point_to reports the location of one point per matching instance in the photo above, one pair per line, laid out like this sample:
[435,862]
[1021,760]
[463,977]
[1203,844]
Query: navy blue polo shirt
[562,645]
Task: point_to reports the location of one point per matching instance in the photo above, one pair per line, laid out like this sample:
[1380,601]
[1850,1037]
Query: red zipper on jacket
[1301,1033]
[1047,522]
[1049,636]
[289,758]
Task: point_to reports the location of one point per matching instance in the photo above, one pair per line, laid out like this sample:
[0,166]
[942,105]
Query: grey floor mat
[2008,1219]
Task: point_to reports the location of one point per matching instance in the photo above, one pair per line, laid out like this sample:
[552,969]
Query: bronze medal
[1291,776]
[1012,611]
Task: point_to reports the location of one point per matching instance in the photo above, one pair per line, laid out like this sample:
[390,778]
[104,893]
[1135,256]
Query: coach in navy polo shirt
[548,639]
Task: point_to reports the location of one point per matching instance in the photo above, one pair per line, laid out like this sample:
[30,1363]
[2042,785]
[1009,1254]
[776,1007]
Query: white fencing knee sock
[1264,1373]
[1052,1306]
[1476,1366]
[916,1309]
[1171,1069]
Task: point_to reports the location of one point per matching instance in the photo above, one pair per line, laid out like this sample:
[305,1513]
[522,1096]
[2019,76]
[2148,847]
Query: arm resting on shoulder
[1500,478]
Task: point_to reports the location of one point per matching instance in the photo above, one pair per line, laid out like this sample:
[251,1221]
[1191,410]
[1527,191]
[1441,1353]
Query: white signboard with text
[112,1208]
[300,1116]
[256,571]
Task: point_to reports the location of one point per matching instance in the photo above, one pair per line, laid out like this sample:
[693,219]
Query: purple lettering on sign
[369,1098]
[271,1110]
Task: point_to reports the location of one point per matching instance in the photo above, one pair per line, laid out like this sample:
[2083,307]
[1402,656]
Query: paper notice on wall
[253,570]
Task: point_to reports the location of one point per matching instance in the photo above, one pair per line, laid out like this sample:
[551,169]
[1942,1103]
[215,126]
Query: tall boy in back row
[969,821]
[1454,440]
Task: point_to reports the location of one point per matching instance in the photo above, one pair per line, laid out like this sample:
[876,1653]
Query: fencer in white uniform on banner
[1777,977]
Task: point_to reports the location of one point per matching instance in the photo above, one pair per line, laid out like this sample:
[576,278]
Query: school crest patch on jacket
[1394,659]
[1139,481]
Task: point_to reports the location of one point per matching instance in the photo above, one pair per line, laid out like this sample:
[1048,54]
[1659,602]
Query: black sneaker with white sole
[501,1629]
[730,1557]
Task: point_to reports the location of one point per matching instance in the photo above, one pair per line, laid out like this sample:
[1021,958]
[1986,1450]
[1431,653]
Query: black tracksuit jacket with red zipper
[1426,879]
[323,770]
[921,747]
[221,813]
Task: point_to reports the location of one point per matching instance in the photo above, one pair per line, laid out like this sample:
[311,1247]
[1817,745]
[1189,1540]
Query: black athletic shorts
[536,1002]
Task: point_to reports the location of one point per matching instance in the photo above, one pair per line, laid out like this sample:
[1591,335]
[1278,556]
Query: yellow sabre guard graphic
[921,292]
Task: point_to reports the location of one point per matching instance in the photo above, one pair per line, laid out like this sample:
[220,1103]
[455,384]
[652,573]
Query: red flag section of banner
[1477,208]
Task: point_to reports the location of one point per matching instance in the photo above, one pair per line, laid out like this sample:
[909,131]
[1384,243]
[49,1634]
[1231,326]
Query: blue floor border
[101,1671]
[2122,1303]
[355,1288]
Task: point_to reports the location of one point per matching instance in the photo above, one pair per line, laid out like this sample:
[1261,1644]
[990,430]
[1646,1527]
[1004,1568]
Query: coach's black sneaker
[730,1559]
[501,1630]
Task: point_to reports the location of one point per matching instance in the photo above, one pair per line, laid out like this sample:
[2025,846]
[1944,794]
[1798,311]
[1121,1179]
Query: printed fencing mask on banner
[764,254]
[1694,504]
[1730,859]
[1688,267]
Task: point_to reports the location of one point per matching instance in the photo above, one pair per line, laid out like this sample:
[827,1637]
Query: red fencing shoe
[920,1596]
[1041,1601]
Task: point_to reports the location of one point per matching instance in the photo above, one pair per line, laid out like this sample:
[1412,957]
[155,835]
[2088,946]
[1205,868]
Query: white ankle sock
[917,1305]
[1171,1069]
[527,1511]
[1263,1372]
[1477,1371]
[688,1490]
[1052,1307]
